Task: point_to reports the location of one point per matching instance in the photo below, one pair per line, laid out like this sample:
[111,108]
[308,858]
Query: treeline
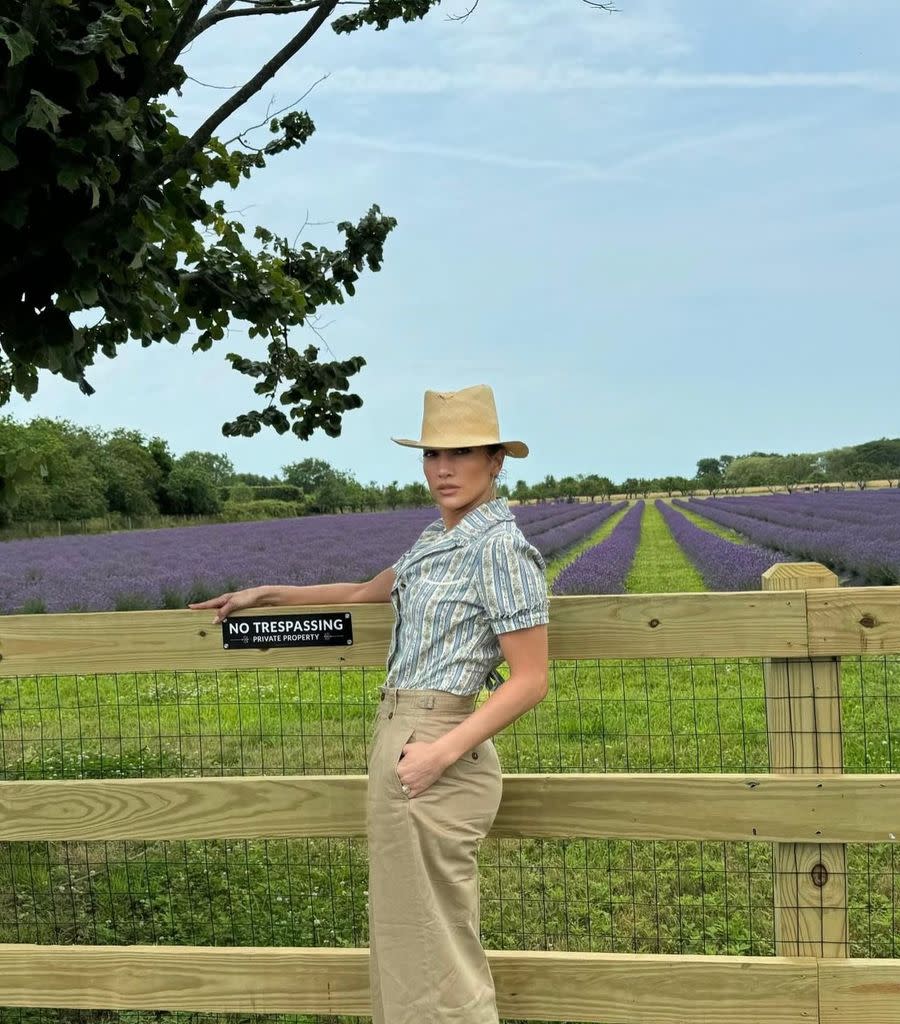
[83,473]
[65,472]
[854,465]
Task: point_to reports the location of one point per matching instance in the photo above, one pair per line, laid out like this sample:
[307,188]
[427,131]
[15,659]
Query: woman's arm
[376,589]
[526,653]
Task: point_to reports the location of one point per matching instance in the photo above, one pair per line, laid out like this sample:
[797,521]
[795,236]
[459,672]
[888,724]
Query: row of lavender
[723,564]
[167,568]
[603,568]
[856,535]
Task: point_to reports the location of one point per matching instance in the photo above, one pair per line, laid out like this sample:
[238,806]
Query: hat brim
[515,449]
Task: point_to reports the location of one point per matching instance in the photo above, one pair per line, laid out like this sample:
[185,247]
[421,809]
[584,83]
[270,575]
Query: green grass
[660,566]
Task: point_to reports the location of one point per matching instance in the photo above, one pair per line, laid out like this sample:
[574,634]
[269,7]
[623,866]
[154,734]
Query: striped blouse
[455,591]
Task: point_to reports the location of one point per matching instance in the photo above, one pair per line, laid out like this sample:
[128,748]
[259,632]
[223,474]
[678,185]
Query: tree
[104,202]
[709,474]
[189,490]
[521,492]
[751,471]
[547,488]
[569,487]
[217,467]
[671,484]
[18,465]
[794,469]
[132,477]
[254,479]
[308,475]
[591,486]
[326,489]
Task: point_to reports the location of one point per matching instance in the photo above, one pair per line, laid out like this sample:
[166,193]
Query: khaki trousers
[427,964]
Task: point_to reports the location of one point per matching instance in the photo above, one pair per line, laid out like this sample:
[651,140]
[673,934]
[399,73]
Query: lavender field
[168,568]
[723,564]
[603,568]
[857,534]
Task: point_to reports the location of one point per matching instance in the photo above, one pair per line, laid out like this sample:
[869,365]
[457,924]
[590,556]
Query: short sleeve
[511,583]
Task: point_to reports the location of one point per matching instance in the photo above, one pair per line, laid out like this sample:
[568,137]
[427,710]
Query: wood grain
[613,988]
[803,711]
[754,808]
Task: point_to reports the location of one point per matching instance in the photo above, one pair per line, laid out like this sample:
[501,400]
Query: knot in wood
[653,623]
[868,621]
[819,875]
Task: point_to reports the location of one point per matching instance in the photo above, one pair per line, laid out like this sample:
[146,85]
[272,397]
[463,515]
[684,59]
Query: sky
[661,234]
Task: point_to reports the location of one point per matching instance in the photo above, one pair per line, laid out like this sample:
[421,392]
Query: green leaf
[8,158]
[71,177]
[20,45]
[44,114]
[87,72]
[13,213]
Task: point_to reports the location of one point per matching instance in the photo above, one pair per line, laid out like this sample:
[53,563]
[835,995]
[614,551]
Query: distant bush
[276,492]
[240,493]
[236,511]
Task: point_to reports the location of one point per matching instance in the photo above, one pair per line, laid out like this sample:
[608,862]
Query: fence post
[803,714]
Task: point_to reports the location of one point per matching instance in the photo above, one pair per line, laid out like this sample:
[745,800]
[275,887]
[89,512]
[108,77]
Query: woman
[469,594]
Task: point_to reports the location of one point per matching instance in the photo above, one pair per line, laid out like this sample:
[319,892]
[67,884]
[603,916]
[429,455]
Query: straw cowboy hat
[462,419]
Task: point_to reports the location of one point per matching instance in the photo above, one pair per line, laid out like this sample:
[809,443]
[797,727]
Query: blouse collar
[479,519]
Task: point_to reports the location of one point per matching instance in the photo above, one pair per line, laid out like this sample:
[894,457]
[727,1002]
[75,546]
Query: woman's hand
[421,764]
[228,604]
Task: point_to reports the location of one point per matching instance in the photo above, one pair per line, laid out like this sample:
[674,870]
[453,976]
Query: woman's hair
[492,449]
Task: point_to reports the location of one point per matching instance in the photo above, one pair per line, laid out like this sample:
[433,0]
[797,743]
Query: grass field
[672,715]
[660,566]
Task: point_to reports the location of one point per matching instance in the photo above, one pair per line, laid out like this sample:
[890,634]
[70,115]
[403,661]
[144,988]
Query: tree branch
[183,156]
[222,11]
[174,46]
[240,135]
[463,17]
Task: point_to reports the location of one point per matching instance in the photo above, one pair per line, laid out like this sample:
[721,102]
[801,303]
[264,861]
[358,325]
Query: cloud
[738,135]
[517,78]
[505,31]
[458,153]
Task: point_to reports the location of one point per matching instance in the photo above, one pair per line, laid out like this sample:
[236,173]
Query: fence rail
[740,808]
[777,624]
[800,624]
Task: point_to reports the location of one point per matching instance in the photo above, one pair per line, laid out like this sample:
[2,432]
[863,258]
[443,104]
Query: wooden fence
[800,623]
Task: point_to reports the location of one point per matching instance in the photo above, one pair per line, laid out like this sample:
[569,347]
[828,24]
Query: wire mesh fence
[672,715]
